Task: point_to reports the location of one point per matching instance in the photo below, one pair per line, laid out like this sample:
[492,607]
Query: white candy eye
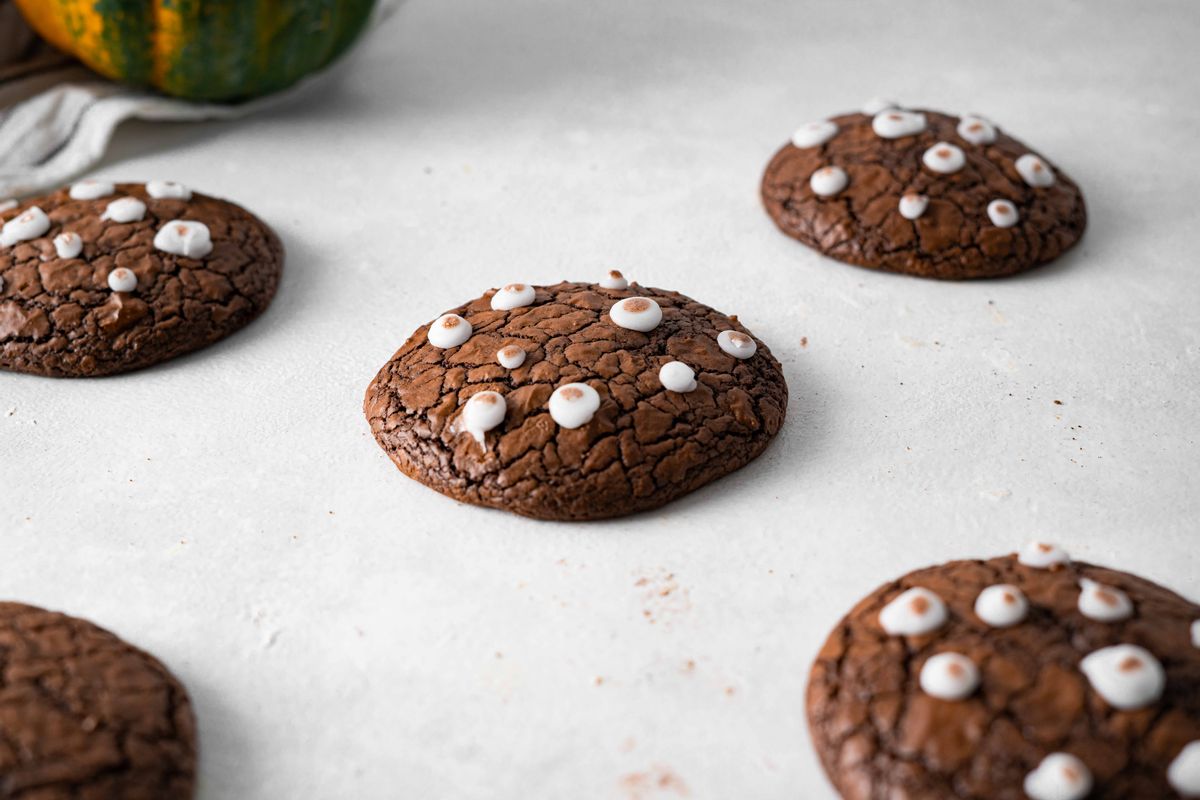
[828,181]
[736,344]
[484,411]
[29,224]
[1184,772]
[125,209]
[122,279]
[912,205]
[1060,776]
[168,190]
[91,189]
[1001,606]
[675,376]
[574,405]
[1034,171]
[614,280]
[976,130]
[1003,213]
[894,123]
[514,295]
[449,330]
[636,314]
[68,245]
[877,104]
[510,356]
[944,158]
[1125,675]
[186,238]
[914,612]
[1103,603]
[949,676]
[1042,555]
[814,133]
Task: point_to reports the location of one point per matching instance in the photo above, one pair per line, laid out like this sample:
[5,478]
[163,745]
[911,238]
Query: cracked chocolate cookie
[576,401]
[85,715]
[922,193]
[104,278]
[1026,676]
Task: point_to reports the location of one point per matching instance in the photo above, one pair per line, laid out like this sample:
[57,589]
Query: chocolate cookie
[922,193]
[578,400]
[1027,676]
[85,716]
[101,278]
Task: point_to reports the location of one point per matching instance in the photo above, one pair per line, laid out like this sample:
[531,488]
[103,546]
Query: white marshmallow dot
[814,133]
[944,158]
[513,295]
[449,330]
[636,314]
[949,676]
[976,130]
[91,189]
[912,613]
[1042,555]
[510,356]
[828,181]
[1103,603]
[29,224]
[125,209]
[1125,675]
[913,205]
[675,376]
[484,411]
[894,123]
[614,280]
[122,279]
[1003,213]
[1196,633]
[186,238]
[1184,772]
[168,190]
[1060,776]
[1034,171]
[736,344]
[68,245]
[877,104]
[1001,606]
[574,405]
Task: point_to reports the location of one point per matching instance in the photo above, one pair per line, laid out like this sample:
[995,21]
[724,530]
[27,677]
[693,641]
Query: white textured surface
[346,632]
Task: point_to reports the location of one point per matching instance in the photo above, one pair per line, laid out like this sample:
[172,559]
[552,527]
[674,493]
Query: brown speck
[1009,598]
[1058,402]
[571,393]
[919,605]
[1070,773]
[515,287]
[730,691]
[1038,167]
[955,670]
[450,322]
[599,680]
[803,341]
[1130,664]
[615,274]
[943,152]
[1003,208]
[181,230]
[975,127]
[636,305]
[1106,597]
[895,117]
[489,398]
[1045,548]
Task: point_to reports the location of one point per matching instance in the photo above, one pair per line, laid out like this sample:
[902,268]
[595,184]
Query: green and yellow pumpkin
[201,49]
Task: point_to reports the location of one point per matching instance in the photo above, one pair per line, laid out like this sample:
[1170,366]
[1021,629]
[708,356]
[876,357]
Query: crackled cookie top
[1026,676]
[577,400]
[84,715]
[922,193]
[101,278]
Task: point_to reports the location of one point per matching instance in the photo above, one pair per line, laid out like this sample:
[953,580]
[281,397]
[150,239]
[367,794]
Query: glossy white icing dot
[125,209]
[68,245]
[513,295]
[91,189]
[186,238]
[29,224]
[1042,555]
[122,279]
[1003,213]
[814,133]
[1002,605]
[168,190]
[877,104]
[913,205]
[8,205]
[894,123]
[1196,633]
[636,314]
[945,158]
[1103,603]
[828,181]
[1184,772]
[912,613]
[449,330]
[614,280]
[574,405]
[736,344]
[510,356]
[675,376]
[1125,675]
[949,676]
[484,411]
[1035,171]
[976,130]
[1060,776]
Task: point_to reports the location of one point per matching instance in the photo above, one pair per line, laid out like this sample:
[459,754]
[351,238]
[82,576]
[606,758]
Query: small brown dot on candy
[510,351]
[636,305]
[1037,166]
[1045,548]
[739,339]
[1106,597]
[1010,598]
[1071,774]
[485,397]
[181,230]
[1130,664]
[894,117]
[974,127]
[919,604]
[515,287]
[571,393]
[615,273]
[955,670]
[943,153]
[1003,208]
[450,322]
